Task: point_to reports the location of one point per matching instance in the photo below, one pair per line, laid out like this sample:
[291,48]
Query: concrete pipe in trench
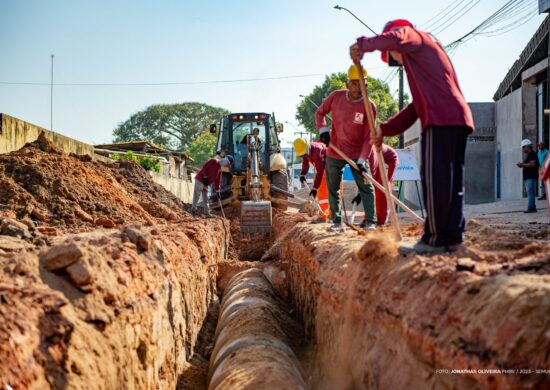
[251,348]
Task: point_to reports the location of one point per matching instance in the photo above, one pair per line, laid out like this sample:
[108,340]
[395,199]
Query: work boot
[336,228]
[529,211]
[420,248]
[543,197]
[194,213]
[369,226]
[207,216]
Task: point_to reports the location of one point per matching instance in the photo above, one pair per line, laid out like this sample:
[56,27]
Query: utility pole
[401,105]
[51,96]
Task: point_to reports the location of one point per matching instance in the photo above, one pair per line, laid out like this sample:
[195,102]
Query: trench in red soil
[118,286]
[274,317]
[355,308]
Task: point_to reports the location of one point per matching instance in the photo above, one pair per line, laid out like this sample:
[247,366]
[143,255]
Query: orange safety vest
[322,198]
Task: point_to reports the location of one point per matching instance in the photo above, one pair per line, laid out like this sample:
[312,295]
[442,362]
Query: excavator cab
[258,172]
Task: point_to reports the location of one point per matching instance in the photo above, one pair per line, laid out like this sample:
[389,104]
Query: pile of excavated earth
[107,282]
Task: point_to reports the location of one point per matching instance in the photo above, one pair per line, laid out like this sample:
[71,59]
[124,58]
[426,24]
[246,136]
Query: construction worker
[314,153]
[446,121]
[255,134]
[209,175]
[391,160]
[350,133]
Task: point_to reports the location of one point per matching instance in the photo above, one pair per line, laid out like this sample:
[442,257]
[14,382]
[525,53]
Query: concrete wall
[182,189]
[509,118]
[15,133]
[479,177]
[480,165]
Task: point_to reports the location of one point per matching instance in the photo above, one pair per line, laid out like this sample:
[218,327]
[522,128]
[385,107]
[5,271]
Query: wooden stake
[379,156]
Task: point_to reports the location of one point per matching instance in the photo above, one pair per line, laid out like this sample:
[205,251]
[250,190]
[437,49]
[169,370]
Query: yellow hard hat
[353,74]
[300,145]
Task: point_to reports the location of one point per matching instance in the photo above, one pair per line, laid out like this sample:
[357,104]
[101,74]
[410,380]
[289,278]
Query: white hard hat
[526,142]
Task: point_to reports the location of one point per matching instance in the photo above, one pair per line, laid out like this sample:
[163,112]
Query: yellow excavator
[258,174]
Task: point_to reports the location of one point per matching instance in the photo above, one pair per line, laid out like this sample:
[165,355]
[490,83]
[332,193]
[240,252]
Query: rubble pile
[41,184]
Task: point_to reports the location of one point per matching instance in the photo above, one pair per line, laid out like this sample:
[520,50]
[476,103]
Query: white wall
[509,131]
[182,189]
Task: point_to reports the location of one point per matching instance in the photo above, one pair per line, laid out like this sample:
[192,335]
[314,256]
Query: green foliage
[379,92]
[202,148]
[173,126]
[149,164]
[114,156]
[130,156]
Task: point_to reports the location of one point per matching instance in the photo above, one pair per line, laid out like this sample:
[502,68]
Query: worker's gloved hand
[325,138]
[356,200]
[362,165]
[313,193]
[205,181]
[303,180]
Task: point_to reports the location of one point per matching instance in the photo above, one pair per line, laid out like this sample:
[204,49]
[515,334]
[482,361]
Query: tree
[379,92]
[173,126]
[202,148]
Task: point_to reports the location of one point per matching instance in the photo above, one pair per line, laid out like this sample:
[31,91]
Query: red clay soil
[84,307]
[41,183]
[380,320]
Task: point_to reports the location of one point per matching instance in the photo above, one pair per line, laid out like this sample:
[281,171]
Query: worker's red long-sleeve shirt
[212,171]
[437,98]
[317,156]
[350,130]
[390,158]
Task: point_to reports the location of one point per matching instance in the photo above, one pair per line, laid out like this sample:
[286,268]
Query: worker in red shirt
[446,121]
[349,132]
[391,160]
[209,175]
[314,153]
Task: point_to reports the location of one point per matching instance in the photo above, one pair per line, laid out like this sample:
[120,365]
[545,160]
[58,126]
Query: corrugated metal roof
[535,51]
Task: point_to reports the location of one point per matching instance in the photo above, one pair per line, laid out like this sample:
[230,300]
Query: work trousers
[531,189]
[200,190]
[381,202]
[442,174]
[334,169]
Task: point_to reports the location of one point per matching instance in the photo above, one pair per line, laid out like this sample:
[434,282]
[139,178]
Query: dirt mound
[44,184]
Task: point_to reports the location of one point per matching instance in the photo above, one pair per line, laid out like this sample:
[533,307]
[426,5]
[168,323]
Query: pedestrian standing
[446,121]
[530,169]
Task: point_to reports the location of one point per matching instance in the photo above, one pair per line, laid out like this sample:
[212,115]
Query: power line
[510,16]
[444,25]
[166,83]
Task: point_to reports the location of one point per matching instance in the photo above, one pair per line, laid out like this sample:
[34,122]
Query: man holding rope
[350,132]
[446,121]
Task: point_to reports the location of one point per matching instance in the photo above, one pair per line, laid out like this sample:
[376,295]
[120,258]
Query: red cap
[390,26]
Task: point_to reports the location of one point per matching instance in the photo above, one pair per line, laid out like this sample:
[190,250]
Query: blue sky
[178,41]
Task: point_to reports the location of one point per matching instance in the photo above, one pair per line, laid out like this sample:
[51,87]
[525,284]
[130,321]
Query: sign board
[408,167]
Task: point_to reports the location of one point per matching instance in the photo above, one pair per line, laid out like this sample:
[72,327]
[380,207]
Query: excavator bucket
[256,216]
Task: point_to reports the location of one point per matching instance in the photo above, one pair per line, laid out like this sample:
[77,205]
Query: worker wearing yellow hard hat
[314,153]
[349,132]
[353,73]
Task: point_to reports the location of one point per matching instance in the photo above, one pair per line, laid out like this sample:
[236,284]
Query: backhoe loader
[258,174]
